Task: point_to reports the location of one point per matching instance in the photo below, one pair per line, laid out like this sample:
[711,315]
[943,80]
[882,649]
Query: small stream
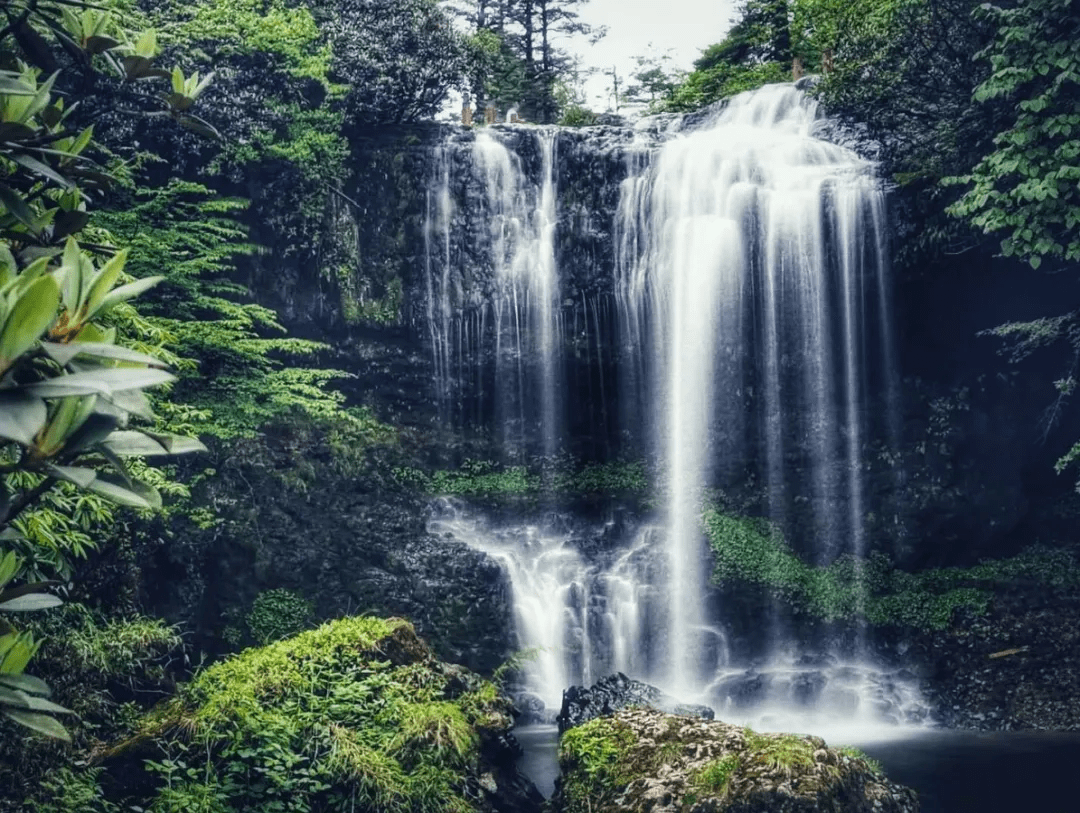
[953,771]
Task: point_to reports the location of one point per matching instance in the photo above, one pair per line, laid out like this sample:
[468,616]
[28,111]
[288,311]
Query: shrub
[277,614]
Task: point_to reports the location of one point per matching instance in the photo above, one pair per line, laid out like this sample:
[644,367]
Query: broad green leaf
[68,414]
[21,417]
[42,723]
[40,168]
[129,443]
[10,85]
[28,604]
[18,654]
[64,353]
[26,683]
[102,382]
[95,429]
[9,566]
[73,474]
[14,697]
[147,44]
[14,203]
[7,643]
[141,496]
[126,292]
[104,282]
[32,315]
[121,404]
[8,267]
[41,704]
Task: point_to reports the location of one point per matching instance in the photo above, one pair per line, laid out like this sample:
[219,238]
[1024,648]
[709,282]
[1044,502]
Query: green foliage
[1028,186]
[352,713]
[784,752]
[655,81]
[751,550]
[713,779]
[591,760]
[282,30]
[755,52]
[235,377]
[110,647]
[69,790]
[277,614]
[99,667]
[384,310]
[484,478]
[71,391]
[399,58]
[854,753]
[702,87]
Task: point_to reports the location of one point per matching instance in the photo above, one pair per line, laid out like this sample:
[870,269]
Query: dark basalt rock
[350,545]
[614,692]
[1016,669]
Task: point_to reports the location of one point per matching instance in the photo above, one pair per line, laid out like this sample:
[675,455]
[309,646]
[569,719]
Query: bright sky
[685,26]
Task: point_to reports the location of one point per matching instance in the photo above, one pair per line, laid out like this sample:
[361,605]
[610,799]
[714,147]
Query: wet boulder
[614,692]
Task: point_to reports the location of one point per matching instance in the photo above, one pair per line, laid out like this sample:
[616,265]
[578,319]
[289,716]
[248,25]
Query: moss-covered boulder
[355,715]
[646,761]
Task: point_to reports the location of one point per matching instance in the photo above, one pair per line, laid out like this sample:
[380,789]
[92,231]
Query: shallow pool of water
[953,771]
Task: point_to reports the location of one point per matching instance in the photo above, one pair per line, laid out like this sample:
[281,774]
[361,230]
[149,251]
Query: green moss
[277,614]
[354,712]
[384,310]
[713,779]
[483,478]
[751,550]
[783,752]
[870,762]
[592,760]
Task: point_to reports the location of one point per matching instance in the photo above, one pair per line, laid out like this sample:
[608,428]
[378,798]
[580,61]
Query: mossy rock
[354,715]
[646,761]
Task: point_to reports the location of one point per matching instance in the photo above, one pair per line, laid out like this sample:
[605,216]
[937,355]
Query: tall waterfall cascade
[520,312]
[751,314]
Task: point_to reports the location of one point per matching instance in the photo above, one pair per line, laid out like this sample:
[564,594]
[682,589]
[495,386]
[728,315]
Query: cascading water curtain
[748,250]
[522,221]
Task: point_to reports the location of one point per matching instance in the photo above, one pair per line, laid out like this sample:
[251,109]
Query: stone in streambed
[640,760]
[614,692]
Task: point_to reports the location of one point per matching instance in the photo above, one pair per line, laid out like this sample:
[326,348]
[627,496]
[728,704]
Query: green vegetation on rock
[624,761]
[355,712]
[713,778]
[484,478]
[277,614]
[592,758]
[751,550]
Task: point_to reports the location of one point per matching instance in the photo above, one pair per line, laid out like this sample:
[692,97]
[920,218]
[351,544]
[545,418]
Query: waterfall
[747,248]
[522,223]
[752,321]
[438,213]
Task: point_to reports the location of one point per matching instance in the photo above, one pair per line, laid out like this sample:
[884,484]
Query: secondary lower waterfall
[750,340]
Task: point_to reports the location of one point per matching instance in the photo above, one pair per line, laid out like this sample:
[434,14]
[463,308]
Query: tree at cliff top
[655,81]
[756,51]
[399,59]
[517,60]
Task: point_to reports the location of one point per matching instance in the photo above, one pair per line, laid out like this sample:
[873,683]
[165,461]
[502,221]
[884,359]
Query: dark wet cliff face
[415,318]
[436,319]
